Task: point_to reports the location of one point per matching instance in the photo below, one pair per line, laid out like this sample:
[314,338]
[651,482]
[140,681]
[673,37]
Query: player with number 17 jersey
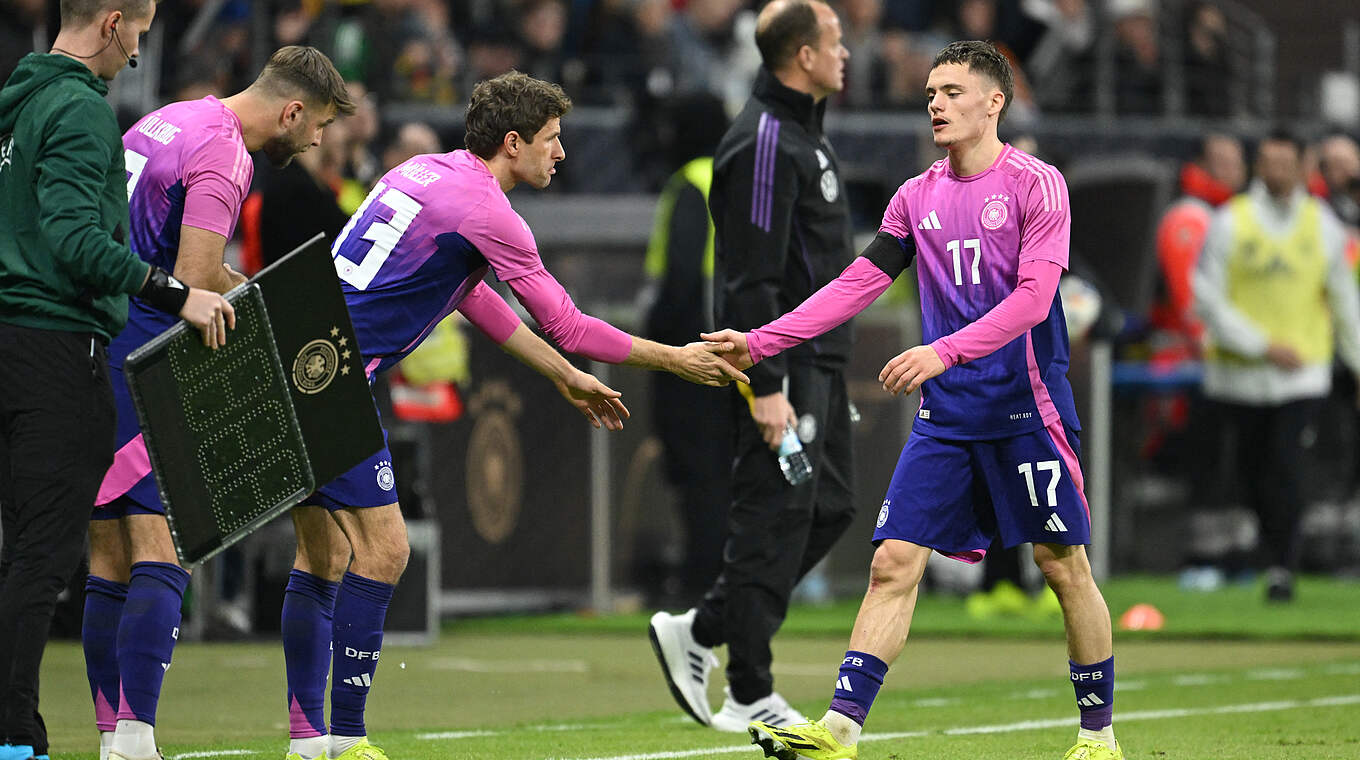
[971,236]
[989,248]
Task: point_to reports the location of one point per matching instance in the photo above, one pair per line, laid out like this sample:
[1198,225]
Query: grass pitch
[573,688]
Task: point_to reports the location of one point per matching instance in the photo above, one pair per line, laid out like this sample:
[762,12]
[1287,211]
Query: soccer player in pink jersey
[416,250]
[994,448]
[189,168]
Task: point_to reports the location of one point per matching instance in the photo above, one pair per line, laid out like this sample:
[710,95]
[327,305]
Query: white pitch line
[1275,674]
[213,753]
[467,665]
[1029,725]
[456,735]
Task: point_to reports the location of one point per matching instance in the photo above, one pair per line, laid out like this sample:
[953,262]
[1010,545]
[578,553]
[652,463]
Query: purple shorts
[371,483]
[129,488]
[954,496]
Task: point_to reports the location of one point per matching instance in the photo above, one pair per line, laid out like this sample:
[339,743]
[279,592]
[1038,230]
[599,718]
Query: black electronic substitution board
[238,435]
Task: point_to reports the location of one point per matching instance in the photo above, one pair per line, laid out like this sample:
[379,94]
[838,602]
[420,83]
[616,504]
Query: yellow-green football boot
[361,751]
[1090,749]
[809,740]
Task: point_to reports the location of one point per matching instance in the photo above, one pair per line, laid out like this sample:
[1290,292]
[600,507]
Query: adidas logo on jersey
[362,679]
[931,222]
[1055,524]
[1090,700]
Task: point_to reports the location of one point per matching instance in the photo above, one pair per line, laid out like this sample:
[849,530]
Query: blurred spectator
[403,49]
[412,139]
[542,28]
[1339,165]
[700,40]
[219,47]
[1218,172]
[1207,67]
[360,170]
[692,422]
[981,20]
[866,76]
[23,29]
[1273,288]
[1062,61]
[1138,57]
[492,51]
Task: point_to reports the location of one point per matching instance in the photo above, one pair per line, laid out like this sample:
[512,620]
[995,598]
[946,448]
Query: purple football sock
[1094,685]
[860,677]
[99,634]
[146,636]
[307,606]
[360,608]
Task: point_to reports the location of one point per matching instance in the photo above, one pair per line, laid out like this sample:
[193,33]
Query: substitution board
[238,435]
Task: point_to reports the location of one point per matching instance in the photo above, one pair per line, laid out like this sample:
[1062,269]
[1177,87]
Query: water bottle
[793,460]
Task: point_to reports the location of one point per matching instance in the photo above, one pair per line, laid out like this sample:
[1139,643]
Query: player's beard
[280,150]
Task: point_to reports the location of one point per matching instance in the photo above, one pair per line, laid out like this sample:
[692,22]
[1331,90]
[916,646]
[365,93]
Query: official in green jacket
[65,274]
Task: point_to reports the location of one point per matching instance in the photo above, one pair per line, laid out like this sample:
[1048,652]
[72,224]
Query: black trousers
[777,532]
[56,442]
[1267,449]
[694,424]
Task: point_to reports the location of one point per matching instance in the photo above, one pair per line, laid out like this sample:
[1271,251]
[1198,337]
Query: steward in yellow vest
[1276,293]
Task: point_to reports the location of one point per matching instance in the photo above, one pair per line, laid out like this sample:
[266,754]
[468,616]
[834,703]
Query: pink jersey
[972,234]
[421,243]
[187,164]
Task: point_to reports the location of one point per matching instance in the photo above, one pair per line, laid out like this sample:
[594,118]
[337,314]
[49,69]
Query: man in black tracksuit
[782,232]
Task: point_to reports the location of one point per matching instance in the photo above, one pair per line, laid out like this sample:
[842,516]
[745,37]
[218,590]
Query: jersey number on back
[383,234]
[135,163]
[971,244]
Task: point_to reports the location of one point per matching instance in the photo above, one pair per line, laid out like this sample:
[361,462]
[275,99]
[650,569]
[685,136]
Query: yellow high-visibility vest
[1278,279]
[698,173]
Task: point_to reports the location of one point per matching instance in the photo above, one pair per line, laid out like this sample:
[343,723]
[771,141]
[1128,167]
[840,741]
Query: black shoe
[1279,585]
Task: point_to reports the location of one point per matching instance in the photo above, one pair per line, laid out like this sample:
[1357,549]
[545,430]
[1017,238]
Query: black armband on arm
[890,253]
[164,292]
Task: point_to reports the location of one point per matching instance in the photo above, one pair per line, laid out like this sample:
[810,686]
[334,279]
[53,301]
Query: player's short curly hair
[981,58]
[302,72]
[512,102]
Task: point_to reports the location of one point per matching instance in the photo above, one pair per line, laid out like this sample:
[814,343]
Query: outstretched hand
[740,356]
[906,372]
[703,363]
[596,401]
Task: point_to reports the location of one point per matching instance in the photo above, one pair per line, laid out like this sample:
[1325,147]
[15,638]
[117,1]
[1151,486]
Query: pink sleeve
[835,302]
[896,215]
[486,309]
[216,178]
[1047,227]
[575,332]
[503,237]
[1024,308]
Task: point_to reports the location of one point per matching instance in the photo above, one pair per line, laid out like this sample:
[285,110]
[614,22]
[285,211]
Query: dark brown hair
[981,58]
[307,74]
[512,102]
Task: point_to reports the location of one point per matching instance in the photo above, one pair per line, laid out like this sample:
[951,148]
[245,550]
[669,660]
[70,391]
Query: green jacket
[64,258]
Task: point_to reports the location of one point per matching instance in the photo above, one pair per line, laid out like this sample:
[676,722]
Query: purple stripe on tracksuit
[762,196]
